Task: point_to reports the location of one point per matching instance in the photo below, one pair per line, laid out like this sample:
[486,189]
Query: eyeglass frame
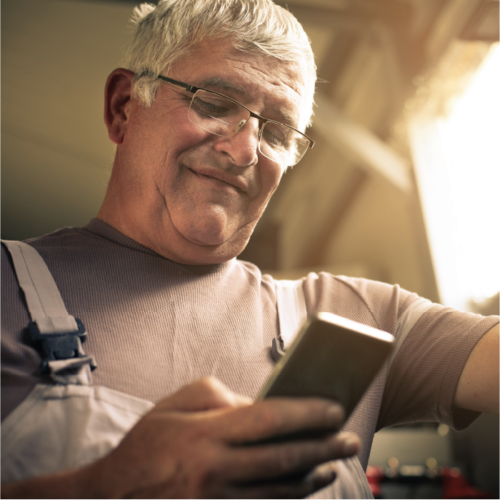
[262,120]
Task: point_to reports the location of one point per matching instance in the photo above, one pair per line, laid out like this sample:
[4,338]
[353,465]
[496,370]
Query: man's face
[190,195]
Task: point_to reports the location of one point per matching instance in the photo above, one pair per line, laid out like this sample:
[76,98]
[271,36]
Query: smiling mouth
[222,177]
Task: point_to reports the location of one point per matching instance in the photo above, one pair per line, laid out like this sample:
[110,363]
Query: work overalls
[71,423]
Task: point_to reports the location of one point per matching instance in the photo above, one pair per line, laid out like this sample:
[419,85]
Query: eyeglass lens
[220,116]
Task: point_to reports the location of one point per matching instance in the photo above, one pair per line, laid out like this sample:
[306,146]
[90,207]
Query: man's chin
[209,241]
[216,236]
[216,250]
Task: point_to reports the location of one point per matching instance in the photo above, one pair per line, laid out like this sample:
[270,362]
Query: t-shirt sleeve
[424,373]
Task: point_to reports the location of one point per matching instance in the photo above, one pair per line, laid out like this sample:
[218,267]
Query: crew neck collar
[104,230]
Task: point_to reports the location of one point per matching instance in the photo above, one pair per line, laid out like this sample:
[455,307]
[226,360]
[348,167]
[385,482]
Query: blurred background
[402,185]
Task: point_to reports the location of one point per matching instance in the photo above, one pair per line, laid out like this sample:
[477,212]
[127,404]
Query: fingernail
[351,445]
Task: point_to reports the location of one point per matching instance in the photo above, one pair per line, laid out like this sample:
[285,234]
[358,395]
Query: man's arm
[189,446]
[478,385]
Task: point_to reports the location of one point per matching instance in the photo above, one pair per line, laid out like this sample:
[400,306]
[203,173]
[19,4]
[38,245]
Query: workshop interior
[400,187]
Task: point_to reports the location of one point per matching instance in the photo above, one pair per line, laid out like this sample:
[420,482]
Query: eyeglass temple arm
[188,88]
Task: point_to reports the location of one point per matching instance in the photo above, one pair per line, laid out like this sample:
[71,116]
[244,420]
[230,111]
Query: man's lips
[220,175]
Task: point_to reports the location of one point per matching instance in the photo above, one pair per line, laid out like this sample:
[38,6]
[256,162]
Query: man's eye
[276,136]
[212,107]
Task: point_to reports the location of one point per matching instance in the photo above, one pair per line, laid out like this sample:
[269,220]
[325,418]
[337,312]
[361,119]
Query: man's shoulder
[56,238]
[53,239]
[74,250]
[96,239]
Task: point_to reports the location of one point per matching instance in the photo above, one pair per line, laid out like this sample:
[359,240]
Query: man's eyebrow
[222,84]
[286,114]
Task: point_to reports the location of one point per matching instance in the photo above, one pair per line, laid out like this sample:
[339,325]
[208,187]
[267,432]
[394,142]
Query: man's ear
[116,103]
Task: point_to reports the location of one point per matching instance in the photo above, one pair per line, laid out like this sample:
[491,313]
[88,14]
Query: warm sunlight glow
[470,139]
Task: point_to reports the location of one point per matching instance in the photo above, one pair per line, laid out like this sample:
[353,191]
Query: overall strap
[292,314]
[58,334]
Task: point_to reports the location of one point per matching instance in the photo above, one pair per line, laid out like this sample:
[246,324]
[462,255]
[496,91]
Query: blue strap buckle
[54,346]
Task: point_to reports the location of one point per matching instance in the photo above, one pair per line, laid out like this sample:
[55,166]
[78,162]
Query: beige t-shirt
[155,325]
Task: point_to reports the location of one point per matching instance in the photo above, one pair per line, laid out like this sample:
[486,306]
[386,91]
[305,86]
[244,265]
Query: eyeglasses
[225,117]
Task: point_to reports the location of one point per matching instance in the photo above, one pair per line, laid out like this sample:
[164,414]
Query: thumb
[207,393]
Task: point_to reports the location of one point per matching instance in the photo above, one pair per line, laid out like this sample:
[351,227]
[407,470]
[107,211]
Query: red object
[456,486]
[374,476]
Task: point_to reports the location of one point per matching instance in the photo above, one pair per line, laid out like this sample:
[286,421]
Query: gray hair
[167,32]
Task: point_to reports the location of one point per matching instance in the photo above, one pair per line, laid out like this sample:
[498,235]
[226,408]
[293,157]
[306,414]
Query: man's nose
[241,147]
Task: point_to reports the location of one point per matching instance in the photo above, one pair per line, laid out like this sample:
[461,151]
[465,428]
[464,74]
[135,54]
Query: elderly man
[207,117]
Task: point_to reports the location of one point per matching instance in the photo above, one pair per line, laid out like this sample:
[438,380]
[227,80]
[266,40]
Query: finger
[206,394]
[274,461]
[277,417]
[317,479]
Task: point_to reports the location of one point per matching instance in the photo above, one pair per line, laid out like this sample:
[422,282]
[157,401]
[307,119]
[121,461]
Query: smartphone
[331,357]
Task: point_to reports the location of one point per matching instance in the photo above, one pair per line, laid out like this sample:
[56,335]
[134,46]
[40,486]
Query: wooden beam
[484,24]
[337,20]
[337,56]
[396,83]
[350,14]
[360,145]
[450,23]
[316,255]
